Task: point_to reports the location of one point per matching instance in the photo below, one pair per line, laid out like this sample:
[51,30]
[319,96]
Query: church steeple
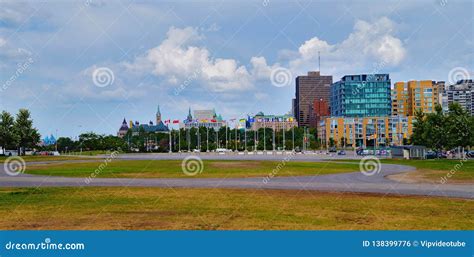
[190,117]
[158,115]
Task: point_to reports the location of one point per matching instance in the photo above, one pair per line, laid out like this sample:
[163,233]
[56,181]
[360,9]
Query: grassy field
[173,169]
[435,170]
[224,209]
[37,158]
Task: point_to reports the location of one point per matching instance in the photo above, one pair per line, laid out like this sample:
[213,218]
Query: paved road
[347,182]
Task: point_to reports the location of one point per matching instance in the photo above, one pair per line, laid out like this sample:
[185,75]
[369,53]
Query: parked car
[342,152]
[470,154]
[431,155]
[332,149]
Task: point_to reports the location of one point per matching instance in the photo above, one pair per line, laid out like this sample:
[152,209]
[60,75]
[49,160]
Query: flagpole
[236,137]
[264,137]
[245,136]
[255,139]
[207,138]
[284,132]
[293,137]
[199,137]
[170,137]
[226,131]
[273,136]
[188,137]
[179,140]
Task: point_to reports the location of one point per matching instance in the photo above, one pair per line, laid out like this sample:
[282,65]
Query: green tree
[418,136]
[27,135]
[65,143]
[8,137]
[90,141]
[458,127]
[436,129]
[114,143]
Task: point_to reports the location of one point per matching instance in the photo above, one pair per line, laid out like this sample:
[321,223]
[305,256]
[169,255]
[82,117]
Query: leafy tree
[28,136]
[65,143]
[458,127]
[90,141]
[114,143]
[419,128]
[435,130]
[8,137]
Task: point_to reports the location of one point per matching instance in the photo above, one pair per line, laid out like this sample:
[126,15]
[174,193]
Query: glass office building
[365,95]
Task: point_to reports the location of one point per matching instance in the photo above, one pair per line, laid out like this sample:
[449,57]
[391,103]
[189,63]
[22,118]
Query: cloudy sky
[85,65]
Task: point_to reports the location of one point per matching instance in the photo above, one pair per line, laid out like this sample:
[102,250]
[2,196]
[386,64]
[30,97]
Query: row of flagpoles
[167,122]
[275,119]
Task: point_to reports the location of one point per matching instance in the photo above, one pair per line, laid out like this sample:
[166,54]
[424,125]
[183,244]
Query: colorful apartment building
[365,131]
[409,96]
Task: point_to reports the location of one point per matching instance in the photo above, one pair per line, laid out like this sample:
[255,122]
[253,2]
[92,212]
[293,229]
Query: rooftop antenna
[319,60]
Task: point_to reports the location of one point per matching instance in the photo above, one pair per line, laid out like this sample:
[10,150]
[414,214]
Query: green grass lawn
[434,170]
[225,209]
[38,158]
[172,169]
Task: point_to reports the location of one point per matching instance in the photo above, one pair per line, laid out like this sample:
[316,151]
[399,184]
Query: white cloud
[175,59]
[369,43]
[178,57]
[10,54]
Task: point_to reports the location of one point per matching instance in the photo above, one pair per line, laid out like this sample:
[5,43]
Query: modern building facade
[365,131]
[462,93]
[365,95]
[276,122]
[309,88]
[203,118]
[407,97]
[319,109]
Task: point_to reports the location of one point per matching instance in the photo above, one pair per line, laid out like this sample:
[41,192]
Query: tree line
[18,132]
[443,131]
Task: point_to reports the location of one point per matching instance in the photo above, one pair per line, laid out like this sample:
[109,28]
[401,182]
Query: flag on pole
[213,120]
[242,120]
[167,121]
[175,121]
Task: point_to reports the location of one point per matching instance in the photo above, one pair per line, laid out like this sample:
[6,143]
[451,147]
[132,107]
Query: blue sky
[227,55]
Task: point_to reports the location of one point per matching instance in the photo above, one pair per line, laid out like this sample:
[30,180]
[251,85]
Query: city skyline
[210,59]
